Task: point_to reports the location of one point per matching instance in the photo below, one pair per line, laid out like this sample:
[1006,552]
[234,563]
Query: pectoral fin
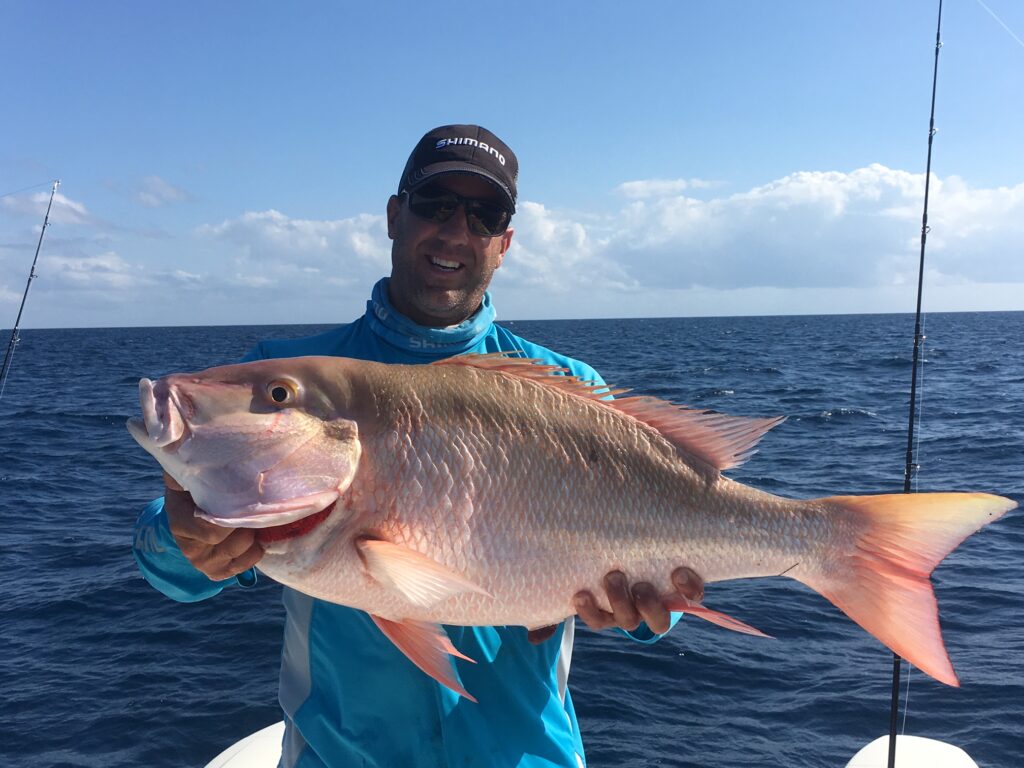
[420,579]
[428,647]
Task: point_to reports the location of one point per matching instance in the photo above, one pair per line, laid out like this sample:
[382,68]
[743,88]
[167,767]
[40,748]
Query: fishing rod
[9,357]
[911,466]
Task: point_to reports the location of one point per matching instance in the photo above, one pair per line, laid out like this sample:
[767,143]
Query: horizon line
[335,324]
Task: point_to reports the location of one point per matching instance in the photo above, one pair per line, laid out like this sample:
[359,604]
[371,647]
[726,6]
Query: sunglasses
[483,217]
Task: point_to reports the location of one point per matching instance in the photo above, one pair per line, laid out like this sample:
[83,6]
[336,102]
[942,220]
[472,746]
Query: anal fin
[428,647]
[682,605]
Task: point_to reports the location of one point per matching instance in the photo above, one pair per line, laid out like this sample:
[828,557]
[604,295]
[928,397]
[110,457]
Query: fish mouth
[162,424]
[294,529]
[274,514]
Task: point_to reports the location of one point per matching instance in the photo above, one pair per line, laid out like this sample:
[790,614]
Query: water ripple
[93,657]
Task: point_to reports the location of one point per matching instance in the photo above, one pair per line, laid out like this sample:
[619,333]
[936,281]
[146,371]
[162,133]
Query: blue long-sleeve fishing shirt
[350,697]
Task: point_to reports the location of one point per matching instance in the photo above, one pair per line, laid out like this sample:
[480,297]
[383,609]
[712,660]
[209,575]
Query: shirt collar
[401,332]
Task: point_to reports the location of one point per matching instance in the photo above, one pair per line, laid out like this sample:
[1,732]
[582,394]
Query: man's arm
[189,559]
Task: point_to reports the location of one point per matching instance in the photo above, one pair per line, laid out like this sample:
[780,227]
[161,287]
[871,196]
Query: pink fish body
[485,490]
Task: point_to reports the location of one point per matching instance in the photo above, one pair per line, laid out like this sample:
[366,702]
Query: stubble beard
[433,305]
[450,306]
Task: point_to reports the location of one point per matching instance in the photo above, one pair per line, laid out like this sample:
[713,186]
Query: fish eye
[282,392]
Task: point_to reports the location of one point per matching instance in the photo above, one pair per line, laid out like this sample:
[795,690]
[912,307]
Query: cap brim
[431,172]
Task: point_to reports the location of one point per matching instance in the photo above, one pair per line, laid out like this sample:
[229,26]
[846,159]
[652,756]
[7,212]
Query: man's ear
[506,241]
[394,207]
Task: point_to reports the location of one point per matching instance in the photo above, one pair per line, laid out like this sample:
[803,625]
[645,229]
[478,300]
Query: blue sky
[230,162]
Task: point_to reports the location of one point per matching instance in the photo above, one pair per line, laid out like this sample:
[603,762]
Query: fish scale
[643,527]
[488,491]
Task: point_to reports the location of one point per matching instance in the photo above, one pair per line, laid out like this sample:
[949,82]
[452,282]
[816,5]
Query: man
[349,696]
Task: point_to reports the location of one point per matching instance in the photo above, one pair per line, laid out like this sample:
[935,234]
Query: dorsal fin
[716,439]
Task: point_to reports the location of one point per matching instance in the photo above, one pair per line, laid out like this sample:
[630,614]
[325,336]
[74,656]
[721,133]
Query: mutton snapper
[488,490]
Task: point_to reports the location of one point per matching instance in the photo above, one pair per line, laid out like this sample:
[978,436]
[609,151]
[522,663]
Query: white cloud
[807,230]
[253,281]
[156,192]
[272,238]
[64,209]
[291,260]
[8,296]
[802,237]
[187,278]
[815,241]
[103,272]
[554,254]
[661,187]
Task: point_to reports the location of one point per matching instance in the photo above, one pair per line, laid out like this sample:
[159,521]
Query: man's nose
[456,228]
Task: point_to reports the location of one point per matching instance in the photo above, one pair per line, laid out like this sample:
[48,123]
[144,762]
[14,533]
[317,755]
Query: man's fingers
[688,583]
[538,636]
[623,609]
[650,608]
[239,552]
[237,543]
[215,550]
[246,560]
[588,611]
[181,516]
[642,602]
[200,531]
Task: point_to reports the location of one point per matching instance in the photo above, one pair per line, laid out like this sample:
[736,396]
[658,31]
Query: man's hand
[629,606]
[214,550]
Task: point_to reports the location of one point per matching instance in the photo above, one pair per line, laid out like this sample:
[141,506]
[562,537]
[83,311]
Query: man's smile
[445,264]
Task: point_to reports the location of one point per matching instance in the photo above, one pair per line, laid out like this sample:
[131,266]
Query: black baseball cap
[462,149]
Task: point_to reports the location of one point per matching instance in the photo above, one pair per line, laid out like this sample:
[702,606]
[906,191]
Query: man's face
[439,271]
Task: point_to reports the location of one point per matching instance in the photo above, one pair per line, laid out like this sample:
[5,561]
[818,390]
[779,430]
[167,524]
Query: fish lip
[269,515]
[137,428]
[162,417]
[254,519]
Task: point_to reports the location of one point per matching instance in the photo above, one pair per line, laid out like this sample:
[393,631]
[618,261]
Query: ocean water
[98,669]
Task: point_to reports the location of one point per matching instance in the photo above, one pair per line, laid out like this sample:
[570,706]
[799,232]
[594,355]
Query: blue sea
[98,669]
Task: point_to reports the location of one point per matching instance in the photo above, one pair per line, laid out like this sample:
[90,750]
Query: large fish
[488,490]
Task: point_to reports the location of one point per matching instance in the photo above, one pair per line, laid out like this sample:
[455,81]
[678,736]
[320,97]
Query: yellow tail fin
[884,585]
